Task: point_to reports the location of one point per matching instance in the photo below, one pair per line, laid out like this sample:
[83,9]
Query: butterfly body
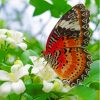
[65,48]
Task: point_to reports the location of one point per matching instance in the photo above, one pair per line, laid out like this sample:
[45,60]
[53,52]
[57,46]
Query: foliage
[89,90]
[57,8]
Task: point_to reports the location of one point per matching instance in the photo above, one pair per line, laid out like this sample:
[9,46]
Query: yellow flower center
[12,77]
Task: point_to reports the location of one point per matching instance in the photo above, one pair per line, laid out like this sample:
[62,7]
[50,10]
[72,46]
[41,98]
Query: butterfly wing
[71,64]
[65,48]
[72,28]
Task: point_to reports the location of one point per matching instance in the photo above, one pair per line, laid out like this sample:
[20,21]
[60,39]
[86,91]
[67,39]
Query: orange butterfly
[65,48]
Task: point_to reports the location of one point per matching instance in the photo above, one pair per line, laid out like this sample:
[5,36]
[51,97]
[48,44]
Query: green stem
[20,96]
[8,97]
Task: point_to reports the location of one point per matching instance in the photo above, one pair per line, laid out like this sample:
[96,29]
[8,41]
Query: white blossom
[47,74]
[42,69]
[2,35]
[12,81]
[47,86]
[60,87]
[14,38]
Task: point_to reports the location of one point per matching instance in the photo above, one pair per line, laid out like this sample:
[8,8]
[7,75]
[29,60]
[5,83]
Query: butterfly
[66,46]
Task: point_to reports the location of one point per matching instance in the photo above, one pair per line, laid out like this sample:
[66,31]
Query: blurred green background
[36,18]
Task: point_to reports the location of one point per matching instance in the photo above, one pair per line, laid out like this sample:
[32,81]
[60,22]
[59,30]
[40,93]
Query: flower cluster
[12,80]
[13,38]
[40,71]
[13,83]
[50,80]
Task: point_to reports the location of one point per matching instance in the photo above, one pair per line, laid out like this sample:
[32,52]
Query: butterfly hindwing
[71,64]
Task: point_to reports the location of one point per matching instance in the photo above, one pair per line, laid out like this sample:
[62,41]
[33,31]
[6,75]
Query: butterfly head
[45,54]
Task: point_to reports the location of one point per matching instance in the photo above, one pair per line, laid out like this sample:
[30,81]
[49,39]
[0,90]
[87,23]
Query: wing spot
[63,64]
[78,59]
[75,68]
[66,61]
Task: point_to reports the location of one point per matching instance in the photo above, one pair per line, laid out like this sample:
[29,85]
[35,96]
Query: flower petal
[15,68]
[4,76]
[47,73]
[23,46]
[66,88]
[36,70]
[5,89]
[42,69]
[2,37]
[47,86]
[58,85]
[33,58]
[38,61]
[3,31]
[17,65]
[18,87]
[23,71]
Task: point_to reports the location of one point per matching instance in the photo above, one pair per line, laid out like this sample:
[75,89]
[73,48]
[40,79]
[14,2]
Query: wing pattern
[65,48]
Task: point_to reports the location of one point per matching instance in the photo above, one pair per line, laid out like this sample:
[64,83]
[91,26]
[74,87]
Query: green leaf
[94,47]
[94,50]
[97,3]
[87,3]
[26,97]
[94,73]
[16,51]
[59,8]
[34,44]
[14,97]
[61,5]
[95,55]
[25,56]
[55,12]
[35,90]
[95,85]
[66,97]
[38,11]
[40,5]
[3,2]
[84,93]
[2,55]
[2,24]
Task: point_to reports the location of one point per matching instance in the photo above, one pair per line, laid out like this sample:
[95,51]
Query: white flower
[49,77]
[47,86]
[60,87]
[16,39]
[12,80]
[3,31]
[42,69]
[57,86]
[2,35]
[23,46]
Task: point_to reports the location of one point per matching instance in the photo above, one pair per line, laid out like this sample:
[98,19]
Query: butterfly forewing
[74,26]
[65,48]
